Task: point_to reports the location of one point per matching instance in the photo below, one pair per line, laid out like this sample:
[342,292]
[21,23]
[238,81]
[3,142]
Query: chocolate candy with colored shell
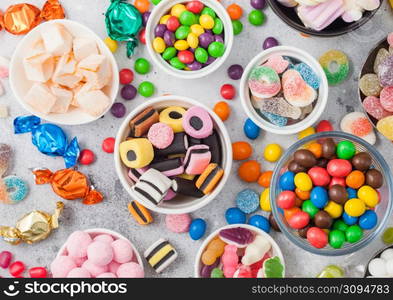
[362,161]
[374,178]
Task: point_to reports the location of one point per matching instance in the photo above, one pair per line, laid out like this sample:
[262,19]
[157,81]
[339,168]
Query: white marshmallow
[83,47]
[63,99]
[96,70]
[40,98]
[39,67]
[93,102]
[57,40]
[65,73]
[81,88]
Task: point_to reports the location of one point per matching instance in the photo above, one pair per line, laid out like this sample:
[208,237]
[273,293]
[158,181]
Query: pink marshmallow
[79,260]
[77,243]
[107,275]
[79,273]
[113,267]
[130,270]
[178,223]
[100,253]
[93,269]
[122,251]
[169,195]
[106,238]
[61,266]
[197,159]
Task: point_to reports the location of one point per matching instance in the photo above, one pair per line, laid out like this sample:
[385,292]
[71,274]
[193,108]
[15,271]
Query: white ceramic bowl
[319,104]
[275,248]
[181,204]
[161,9]
[20,84]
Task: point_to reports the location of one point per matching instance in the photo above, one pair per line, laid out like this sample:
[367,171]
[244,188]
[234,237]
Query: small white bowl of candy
[381,265]
[284,90]
[239,251]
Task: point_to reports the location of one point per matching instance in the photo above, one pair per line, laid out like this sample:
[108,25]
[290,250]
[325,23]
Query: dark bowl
[376,255]
[338,27]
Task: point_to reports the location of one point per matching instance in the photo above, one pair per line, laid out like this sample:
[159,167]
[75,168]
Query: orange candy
[264,179]
[222,110]
[249,171]
[241,150]
[302,194]
[213,251]
[142,5]
[288,213]
[235,11]
[316,149]
[355,179]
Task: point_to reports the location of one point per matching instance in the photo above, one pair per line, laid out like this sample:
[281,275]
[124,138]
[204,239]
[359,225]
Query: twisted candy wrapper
[123,22]
[21,18]
[52,10]
[69,184]
[32,227]
[49,139]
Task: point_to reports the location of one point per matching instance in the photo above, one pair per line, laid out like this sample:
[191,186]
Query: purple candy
[160,30]
[191,50]
[258,4]
[205,39]
[218,38]
[169,38]
[207,270]
[210,60]
[194,66]
[209,31]
[145,17]
[128,92]
[238,236]
[385,72]
[235,72]
[269,43]
[118,110]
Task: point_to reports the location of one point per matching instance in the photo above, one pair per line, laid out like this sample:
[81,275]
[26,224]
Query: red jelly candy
[108,145]
[319,176]
[339,167]
[244,272]
[172,24]
[337,180]
[286,199]
[317,237]
[5,259]
[228,91]
[258,265]
[324,125]
[126,76]
[374,108]
[195,6]
[185,56]
[16,268]
[86,157]
[142,36]
[38,272]
[299,220]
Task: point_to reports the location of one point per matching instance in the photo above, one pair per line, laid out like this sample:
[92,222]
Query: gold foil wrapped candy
[32,227]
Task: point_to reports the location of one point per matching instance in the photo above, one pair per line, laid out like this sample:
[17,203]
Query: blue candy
[197,229]
[349,220]
[319,196]
[247,201]
[287,181]
[308,75]
[368,220]
[251,130]
[17,188]
[260,222]
[352,193]
[275,119]
[234,215]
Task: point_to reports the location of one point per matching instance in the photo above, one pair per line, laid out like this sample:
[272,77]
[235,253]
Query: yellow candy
[333,209]
[264,200]
[385,125]
[303,182]
[192,40]
[177,10]
[306,132]
[206,21]
[391,3]
[181,45]
[112,45]
[164,19]
[159,44]
[355,207]
[272,152]
[368,195]
[197,29]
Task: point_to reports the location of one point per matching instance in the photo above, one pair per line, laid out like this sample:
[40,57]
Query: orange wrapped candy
[69,184]
[21,18]
[1,20]
[52,10]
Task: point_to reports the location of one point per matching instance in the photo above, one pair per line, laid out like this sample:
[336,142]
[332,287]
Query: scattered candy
[241,150]
[272,152]
[128,92]
[247,201]
[249,171]
[38,272]
[126,76]
[111,44]
[228,91]
[237,27]
[235,11]
[251,130]
[269,42]
[108,145]
[178,223]
[264,200]
[5,259]
[256,17]
[335,57]
[13,189]
[197,229]
[332,271]
[142,66]
[260,222]
[387,236]
[265,178]
[16,268]
[235,72]
[234,215]
[146,89]
[118,110]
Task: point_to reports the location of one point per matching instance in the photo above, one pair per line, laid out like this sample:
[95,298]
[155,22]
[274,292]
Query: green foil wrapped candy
[123,22]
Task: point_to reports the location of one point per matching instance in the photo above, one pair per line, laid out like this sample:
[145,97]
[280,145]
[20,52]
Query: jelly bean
[155,2]
[258,4]
[260,222]
[197,229]
[142,5]
[288,213]
[368,195]
[345,150]
[324,125]
[86,157]
[309,208]
[188,18]
[177,9]
[222,110]
[169,53]
[118,110]
[352,193]
[264,200]
[336,239]
[355,207]
[5,259]
[355,179]
[338,181]
[251,130]
[38,272]
[387,236]
[317,237]
[182,32]
[16,268]
[368,220]
[235,11]
[237,27]
[216,49]
[146,89]
[128,92]
[256,17]
[217,273]
[108,145]
[272,152]
[319,197]
[208,11]
[287,181]
[206,21]
[169,38]
[316,149]
[249,171]
[299,220]
[306,132]
[319,176]
[197,29]
[126,76]
[142,66]
[195,6]
[302,195]
[192,40]
[218,26]
[235,72]
[340,225]
[201,55]
[181,45]
[333,209]
[172,23]
[241,150]
[234,215]
[303,181]
[265,179]
[111,44]
[158,46]
[228,91]
[269,42]
[185,56]
[353,234]
[349,220]
[160,30]
[286,199]
[339,167]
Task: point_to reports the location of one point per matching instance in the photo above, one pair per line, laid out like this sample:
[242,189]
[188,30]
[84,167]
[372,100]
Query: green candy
[208,11]
[216,49]
[331,271]
[273,268]
[237,27]
[345,150]
[218,26]
[216,273]
[310,208]
[182,32]
[155,2]
[146,89]
[169,53]
[176,63]
[387,236]
[340,225]
[201,55]
[336,238]
[256,17]
[188,18]
[142,66]
[353,234]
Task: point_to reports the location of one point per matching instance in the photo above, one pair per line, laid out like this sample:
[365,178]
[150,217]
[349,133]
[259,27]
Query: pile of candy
[240,253]
[17,268]
[329,193]
[382,266]
[283,89]
[190,36]
[377,90]
[172,151]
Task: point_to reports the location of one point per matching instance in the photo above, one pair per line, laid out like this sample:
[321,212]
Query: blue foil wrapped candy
[49,139]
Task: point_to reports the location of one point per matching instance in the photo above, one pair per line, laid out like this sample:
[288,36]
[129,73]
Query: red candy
[299,220]
[337,180]
[86,157]
[126,76]
[244,272]
[38,272]
[317,237]
[185,56]
[339,167]
[172,24]
[195,6]
[142,36]
[286,199]
[108,145]
[5,259]
[228,91]
[324,125]
[16,268]
[319,176]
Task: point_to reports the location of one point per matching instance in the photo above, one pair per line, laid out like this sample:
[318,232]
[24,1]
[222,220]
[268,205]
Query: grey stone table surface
[112,212]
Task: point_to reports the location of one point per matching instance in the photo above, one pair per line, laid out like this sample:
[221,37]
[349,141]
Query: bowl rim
[197,262]
[159,10]
[299,126]
[302,28]
[227,147]
[65,22]
[275,178]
